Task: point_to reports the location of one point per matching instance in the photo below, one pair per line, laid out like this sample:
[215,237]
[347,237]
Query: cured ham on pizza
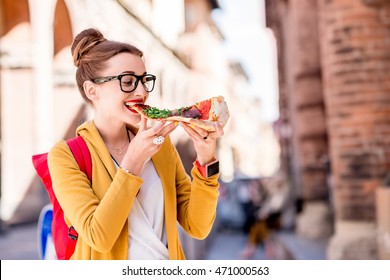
[202,114]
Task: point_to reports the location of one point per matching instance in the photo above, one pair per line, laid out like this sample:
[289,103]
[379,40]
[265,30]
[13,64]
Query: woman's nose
[140,91]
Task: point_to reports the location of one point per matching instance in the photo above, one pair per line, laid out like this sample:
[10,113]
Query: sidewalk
[302,248]
[20,243]
[228,245]
[289,246]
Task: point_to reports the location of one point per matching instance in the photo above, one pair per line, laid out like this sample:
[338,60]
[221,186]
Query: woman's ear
[91,90]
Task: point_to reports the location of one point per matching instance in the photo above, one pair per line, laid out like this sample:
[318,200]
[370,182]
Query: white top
[147,234]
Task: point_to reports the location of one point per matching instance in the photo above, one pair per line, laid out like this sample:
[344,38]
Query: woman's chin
[134,119]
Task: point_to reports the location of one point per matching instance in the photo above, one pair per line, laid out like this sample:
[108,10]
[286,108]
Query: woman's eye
[128,82]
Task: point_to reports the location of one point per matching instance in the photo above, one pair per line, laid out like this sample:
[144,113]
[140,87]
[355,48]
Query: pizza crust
[205,124]
[219,111]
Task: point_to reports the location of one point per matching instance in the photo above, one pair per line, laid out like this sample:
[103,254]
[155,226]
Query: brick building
[334,62]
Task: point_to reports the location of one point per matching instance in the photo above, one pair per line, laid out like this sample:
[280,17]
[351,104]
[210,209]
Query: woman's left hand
[205,142]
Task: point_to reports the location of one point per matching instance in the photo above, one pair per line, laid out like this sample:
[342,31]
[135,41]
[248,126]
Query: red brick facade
[305,149]
[334,68]
[355,45]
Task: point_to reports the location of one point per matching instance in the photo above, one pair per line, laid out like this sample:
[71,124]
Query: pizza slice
[202,114]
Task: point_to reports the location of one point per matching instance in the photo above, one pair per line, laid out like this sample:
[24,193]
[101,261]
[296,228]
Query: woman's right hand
[142,148]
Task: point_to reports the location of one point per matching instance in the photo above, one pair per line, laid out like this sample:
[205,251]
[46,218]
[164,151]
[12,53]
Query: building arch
[65,91]
[63,34]
[13,15]
[15,32]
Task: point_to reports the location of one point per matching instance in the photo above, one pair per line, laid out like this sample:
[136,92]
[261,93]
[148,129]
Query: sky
[250,42]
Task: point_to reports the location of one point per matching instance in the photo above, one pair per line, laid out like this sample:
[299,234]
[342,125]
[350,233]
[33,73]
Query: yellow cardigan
[99,212]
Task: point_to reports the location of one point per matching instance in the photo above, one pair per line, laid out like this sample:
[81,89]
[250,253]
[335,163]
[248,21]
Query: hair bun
[84,42]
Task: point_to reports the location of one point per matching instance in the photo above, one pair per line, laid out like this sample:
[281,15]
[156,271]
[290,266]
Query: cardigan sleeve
[98,222]
[196,200]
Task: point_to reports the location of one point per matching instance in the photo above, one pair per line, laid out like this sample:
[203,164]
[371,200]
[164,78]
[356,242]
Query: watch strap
[201,169]
[209,169]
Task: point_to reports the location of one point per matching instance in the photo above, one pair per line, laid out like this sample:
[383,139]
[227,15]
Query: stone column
[42,14]
[302,117]
[355,52]
[309,133]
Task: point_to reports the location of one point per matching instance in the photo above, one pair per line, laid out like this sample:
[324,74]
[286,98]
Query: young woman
[139,189]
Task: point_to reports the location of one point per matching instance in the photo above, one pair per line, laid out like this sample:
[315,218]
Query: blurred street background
[305,159]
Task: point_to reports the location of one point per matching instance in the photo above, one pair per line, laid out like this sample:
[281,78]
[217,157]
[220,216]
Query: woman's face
[111,100]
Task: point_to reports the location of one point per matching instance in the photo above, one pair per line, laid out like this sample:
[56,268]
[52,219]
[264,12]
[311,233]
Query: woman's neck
[113,134]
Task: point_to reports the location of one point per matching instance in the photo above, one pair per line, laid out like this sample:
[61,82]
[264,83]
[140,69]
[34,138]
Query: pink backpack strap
[82,155]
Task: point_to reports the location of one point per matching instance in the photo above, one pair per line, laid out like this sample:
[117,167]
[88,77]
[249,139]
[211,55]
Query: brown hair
[90,52]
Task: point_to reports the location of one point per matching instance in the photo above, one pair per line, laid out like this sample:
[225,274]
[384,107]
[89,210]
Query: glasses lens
[128,83]
[148,82]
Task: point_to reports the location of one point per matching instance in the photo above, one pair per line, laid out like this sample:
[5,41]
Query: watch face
[213,169]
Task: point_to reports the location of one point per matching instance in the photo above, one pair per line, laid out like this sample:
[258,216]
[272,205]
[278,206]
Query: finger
[190,131]
[203,133]
[218,129]
[155,130]
[168,129]
[143,124]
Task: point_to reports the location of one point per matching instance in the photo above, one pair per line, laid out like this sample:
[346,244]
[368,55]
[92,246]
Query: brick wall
[355,46]
[295,24]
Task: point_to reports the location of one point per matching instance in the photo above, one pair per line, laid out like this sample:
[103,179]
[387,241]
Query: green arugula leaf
[156,113]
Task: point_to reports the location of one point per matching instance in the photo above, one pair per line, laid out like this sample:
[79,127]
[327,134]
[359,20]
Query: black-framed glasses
[129,82]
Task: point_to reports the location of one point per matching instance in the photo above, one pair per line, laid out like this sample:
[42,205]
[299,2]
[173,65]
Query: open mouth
[129,106]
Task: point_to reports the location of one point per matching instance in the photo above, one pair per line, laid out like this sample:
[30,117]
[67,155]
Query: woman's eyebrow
[132,72]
